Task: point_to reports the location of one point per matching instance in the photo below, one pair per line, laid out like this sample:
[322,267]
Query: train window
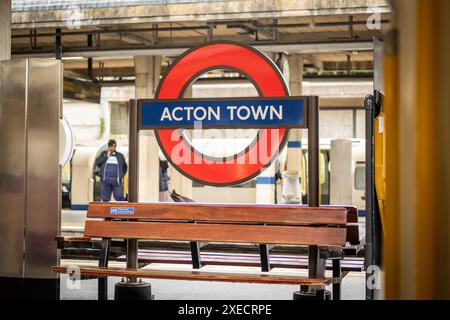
[360,177]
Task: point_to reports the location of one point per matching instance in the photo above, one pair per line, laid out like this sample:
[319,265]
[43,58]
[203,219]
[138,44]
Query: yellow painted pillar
[407,26]
[391,136]
[443,153]
[426,201]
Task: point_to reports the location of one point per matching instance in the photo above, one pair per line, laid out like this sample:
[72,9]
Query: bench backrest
[260,224]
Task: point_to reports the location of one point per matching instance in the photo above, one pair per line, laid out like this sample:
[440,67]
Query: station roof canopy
[331,35]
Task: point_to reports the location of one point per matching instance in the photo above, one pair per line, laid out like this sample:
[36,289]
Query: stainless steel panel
[12,166]
[43,185]
[378,63]
[30,108]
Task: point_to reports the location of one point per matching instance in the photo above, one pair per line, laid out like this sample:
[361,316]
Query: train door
[324,176]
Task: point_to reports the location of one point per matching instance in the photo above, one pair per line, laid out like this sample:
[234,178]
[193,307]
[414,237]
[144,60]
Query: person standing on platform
[113,168]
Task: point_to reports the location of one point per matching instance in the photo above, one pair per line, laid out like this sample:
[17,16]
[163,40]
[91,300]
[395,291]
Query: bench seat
[196,276]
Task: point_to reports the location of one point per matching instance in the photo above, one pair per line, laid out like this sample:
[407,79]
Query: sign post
[315,268]
[133,178]
[273,113]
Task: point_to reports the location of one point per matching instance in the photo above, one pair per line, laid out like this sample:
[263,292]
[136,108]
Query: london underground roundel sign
[273,113]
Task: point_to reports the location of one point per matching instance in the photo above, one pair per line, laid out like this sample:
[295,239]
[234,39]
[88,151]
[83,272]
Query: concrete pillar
[265,183]
[341,181]
[292,67]
[179,182]
[294,74]
[265,186]
[148,70]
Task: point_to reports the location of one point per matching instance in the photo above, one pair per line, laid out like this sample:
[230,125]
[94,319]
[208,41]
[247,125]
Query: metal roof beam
[295,47]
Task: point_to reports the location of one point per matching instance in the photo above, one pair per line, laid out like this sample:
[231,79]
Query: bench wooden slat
[73,239]
[352,214]
[195,276]
[239,259]
[216,233]
[270,214]
[353,234]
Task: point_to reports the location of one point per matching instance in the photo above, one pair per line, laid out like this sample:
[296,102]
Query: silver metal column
[30,109]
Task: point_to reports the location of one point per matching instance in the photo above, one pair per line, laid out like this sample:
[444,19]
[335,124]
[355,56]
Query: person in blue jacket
[112,168]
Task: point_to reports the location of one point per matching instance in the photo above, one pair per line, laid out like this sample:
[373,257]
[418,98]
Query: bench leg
[195,255]
[337,274]
[265,258]
[103,263]
[316,269]
[316,265]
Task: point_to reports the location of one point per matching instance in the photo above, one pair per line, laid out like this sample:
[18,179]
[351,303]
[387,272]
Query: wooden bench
[323,230]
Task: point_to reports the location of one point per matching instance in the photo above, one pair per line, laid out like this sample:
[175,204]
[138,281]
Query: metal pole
[316,265]
[313,176]
[133,289]
[377,231]
[368,250]
[133,179]
[58,45]
[313,152]
[90,71]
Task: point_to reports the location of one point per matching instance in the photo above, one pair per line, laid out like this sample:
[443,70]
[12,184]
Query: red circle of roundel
[266,77]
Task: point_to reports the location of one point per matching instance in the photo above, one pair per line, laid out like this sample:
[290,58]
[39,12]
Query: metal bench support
[103,263]
[337,274]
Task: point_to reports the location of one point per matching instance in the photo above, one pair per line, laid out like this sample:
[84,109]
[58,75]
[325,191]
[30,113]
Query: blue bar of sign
[294,144]
[284,112]
[265,180]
